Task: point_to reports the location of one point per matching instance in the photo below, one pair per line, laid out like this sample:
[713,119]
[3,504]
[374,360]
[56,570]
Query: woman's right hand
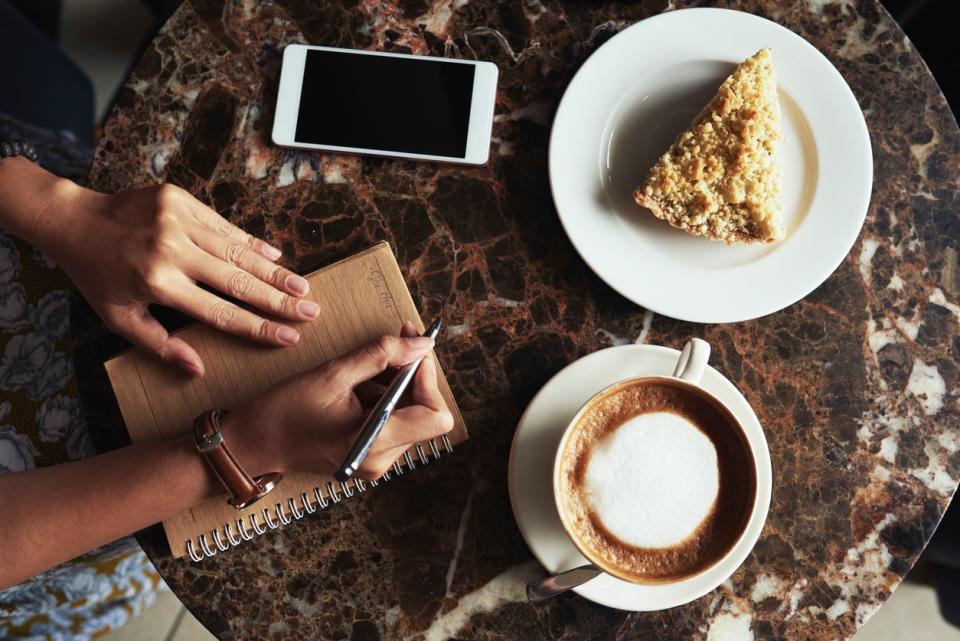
[309,421]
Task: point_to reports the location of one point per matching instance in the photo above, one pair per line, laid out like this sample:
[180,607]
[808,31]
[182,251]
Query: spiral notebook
[360,297]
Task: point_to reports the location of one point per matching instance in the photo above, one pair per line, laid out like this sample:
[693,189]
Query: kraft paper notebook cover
[360,298]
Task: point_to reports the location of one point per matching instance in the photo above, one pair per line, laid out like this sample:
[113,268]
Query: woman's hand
[309,421]
[153,245]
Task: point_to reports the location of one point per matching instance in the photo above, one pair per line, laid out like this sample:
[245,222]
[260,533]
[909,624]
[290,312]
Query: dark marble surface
[856,386]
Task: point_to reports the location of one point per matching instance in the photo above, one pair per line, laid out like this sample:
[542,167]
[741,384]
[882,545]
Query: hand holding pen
[307,423]
[381,412]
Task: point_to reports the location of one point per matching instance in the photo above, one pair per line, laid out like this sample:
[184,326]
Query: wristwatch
[244,489]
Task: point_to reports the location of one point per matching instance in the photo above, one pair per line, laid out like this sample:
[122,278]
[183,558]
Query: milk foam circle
[652,480]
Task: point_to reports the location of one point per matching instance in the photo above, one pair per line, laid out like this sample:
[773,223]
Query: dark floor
[932,26]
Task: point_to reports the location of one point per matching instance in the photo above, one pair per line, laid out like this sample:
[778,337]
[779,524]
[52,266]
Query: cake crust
[721,177]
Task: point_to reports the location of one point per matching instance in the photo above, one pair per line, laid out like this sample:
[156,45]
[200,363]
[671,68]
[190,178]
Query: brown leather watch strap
[244,489]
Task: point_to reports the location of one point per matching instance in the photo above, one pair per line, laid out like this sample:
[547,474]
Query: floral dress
[41,424]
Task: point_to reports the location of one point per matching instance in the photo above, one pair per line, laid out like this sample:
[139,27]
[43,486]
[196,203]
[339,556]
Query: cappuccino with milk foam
[656,480]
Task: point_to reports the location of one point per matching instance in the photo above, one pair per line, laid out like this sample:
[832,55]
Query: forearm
[54,514]
[27,194]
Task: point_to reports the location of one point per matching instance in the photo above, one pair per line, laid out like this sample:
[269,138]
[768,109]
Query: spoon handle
[559,583]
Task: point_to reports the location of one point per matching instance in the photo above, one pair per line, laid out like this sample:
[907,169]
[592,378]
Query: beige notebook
[360,297]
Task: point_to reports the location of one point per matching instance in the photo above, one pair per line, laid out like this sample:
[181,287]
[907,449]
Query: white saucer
[624,108]
[531,464]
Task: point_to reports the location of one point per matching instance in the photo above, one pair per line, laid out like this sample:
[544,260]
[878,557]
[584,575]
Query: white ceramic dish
[624,108]
[531,466]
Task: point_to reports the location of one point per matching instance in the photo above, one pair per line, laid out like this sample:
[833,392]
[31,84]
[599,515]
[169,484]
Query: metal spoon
[560,583]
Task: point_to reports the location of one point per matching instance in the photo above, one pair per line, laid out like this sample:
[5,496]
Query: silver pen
[381,412]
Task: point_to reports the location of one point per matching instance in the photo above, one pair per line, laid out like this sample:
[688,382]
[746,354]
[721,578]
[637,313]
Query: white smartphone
[385,104]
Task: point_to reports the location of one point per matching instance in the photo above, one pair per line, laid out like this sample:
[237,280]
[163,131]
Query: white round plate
[531,467]
[622,111]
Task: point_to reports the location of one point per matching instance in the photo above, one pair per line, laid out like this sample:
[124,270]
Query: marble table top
[856,386]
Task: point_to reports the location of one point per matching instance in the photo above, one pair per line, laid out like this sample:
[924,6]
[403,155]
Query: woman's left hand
[132,249]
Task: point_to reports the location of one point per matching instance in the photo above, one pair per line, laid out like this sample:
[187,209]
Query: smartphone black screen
[390,104]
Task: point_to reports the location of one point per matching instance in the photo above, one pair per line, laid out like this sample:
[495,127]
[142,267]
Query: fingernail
[420,342]
[297,284]
[409,325]
[271,252]
[193,367]
[308,308]
[288,335]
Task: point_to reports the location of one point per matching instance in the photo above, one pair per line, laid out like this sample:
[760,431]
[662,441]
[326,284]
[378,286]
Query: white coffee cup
[688,371]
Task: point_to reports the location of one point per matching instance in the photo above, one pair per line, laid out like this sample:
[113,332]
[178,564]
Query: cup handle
[693,360]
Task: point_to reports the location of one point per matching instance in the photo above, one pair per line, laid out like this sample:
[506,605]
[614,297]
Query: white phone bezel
[481,107]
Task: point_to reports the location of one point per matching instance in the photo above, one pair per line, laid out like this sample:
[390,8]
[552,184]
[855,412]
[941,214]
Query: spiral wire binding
[223,539]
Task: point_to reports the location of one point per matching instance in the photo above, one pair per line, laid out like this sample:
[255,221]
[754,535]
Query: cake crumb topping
[721,177]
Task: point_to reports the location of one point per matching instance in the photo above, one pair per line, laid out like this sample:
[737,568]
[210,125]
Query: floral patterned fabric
[41,424]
